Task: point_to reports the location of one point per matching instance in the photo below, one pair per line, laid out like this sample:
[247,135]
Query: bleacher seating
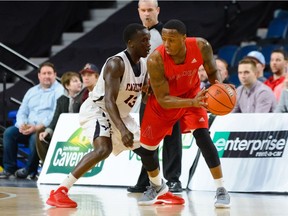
[241,52]
[227,53]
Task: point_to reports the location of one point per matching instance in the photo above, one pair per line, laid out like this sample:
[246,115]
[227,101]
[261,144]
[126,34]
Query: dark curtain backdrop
[32,27]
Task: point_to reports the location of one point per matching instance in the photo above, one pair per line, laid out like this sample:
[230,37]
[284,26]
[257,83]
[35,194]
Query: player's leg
[154,128]
[150,161]
[143,180]
[96,127]
[210,154]
[59,197]
[172,159]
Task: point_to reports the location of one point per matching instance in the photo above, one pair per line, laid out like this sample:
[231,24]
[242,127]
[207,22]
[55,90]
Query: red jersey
[183,78]
[183,82]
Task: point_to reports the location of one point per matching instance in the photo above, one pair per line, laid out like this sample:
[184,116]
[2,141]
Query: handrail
[10,70]
[18,55]
[15,73]
[15,101]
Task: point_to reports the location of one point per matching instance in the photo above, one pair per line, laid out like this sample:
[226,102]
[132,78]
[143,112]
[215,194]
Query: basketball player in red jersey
[173,70]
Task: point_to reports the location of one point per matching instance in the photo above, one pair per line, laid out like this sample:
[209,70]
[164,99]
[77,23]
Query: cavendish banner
[68,146]
[253,151]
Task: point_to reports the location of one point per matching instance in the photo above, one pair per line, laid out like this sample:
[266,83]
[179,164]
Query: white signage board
[68,146]
[253,152]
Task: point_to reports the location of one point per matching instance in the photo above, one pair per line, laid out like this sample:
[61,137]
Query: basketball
[221,99]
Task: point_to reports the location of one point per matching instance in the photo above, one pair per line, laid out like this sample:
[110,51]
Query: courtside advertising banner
[253,152]
[68,146]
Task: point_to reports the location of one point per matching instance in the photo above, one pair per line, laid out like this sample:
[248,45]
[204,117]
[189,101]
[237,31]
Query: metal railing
[8,70]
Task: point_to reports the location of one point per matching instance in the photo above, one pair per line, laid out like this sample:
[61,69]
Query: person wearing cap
[90,74]
[253,96]
[260,64]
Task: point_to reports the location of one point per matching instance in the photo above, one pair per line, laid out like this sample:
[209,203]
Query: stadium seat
[227,53]
[277,29]
[281,13]
[242,52]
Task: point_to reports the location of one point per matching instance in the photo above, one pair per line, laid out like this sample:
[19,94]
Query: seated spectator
[223,69]
[260,64]
[278,67]
[203,78]
[69,102]
[35,112]
[253,96]
[90,74]
[282,106]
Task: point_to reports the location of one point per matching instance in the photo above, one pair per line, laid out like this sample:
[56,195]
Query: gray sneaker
[222,198]
[22,173]
[6,175]
[151,194]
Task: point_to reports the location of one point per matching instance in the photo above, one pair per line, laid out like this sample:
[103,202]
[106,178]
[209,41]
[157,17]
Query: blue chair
[233,78]
[242,52]
[281,13]
[277,29]
[12,116]
[227,53]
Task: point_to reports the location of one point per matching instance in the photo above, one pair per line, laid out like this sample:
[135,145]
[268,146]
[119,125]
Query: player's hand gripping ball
[221,99]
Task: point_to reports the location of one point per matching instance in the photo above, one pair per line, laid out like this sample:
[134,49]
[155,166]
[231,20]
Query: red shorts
[158,122]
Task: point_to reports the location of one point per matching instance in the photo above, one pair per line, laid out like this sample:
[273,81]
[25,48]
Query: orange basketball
[221,99]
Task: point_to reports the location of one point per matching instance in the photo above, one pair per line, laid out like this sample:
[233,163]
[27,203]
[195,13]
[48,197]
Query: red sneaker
[60,199]
[170,199]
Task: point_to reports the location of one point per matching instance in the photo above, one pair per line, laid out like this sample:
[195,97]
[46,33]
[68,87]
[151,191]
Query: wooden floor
[115,201]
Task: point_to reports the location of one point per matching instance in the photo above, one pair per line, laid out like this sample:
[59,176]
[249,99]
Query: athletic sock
[157,180]
[68,181]
[219,182]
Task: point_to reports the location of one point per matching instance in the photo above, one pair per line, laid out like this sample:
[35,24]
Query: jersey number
[130,101]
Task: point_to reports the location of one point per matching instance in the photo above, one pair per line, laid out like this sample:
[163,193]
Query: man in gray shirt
[252,95]
[282,106]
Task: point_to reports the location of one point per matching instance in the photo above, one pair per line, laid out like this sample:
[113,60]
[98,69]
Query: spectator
[253,96]
[90,74]
[278,67]
[35,112]
[222,67]
[259,59]
[282,106]
[69,102]
[172,144]
[204,82]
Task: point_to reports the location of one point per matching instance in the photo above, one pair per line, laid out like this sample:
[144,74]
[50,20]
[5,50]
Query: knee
[9,132]
[9,135]
[103,150]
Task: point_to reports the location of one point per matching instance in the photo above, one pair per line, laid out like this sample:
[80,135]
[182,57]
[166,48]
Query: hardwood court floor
[115,201]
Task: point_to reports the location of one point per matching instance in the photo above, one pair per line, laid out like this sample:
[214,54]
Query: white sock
[68,181]
[219,182]
[157,180]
